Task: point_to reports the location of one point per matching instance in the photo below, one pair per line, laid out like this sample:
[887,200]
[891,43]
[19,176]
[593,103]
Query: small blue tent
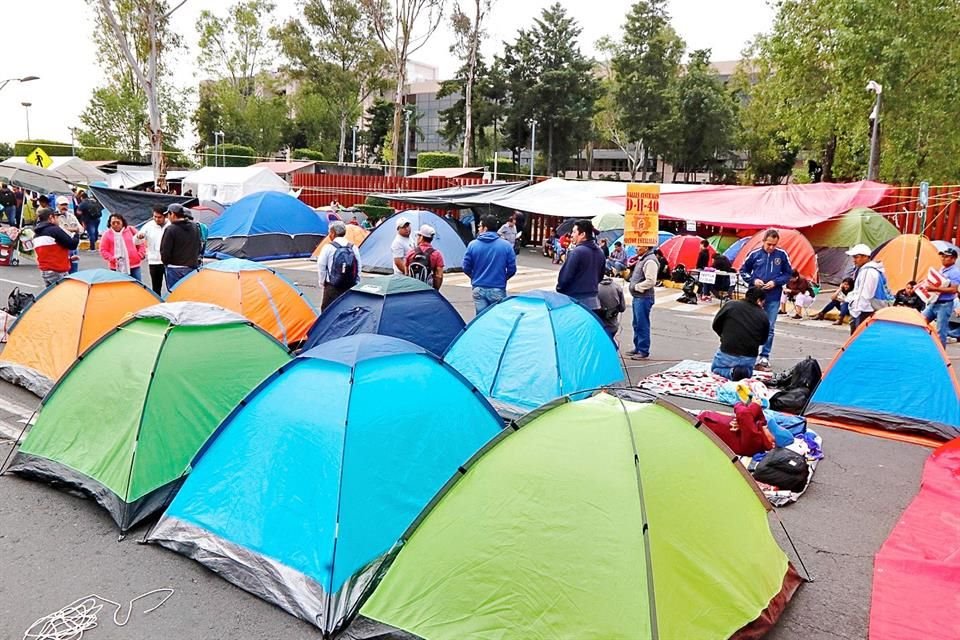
[533,348]
[264,226]
[299,501]
[892,374]
[395,306]
[734,250]
[375,251]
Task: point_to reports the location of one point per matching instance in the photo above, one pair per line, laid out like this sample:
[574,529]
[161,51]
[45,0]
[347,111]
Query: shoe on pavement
[639,356]
[763,364]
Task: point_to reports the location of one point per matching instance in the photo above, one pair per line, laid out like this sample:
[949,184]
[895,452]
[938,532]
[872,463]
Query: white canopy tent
[73,169]
[128,178]
[226,185]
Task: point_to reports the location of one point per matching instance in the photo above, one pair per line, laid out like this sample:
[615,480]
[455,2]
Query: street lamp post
[533,145]
[873,168]
[4,83]
[26,108]
[354,152]
[406,139]
[217,140]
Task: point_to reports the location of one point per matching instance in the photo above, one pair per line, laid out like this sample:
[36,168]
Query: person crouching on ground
[839,302]
[617,261]
[907,297]
[743,327]
[799,292]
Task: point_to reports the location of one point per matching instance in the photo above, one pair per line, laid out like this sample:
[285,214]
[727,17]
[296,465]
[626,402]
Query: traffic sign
[39,157]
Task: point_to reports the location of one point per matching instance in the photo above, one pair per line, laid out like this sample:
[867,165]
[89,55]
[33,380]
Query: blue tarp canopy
[891,374]
[300,506]
[266,225]
[395,306]
[375,251]
[533,348]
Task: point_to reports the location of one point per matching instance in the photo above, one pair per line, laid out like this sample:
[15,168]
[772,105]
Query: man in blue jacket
[490,262]
[584,267]
[768,267]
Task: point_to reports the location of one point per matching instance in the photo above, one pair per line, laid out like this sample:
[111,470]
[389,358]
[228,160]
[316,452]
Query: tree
[486,111]
[812,68]
[705,118]
[645,64]
[468,32]
[334,51]
[550,80]
[139,31]
[379,121]
[234,48]
[403,27]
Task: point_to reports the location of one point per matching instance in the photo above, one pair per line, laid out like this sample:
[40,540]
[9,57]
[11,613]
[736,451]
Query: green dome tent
[124,422]
[721,243]
[601,518]
[832,238]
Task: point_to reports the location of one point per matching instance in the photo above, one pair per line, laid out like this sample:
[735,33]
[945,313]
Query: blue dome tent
[734,250]
[264,226]
[300,506]
[395,306]
[923,397]
[533,348]
[375,250]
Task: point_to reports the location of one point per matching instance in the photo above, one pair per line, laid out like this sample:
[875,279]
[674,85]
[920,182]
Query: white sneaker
[763,364]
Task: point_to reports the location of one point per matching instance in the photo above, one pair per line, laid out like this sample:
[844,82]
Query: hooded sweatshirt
[53,246]
[489,261]
[863,298]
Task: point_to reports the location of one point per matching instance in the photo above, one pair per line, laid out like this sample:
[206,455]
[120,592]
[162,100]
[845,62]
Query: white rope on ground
[70,622]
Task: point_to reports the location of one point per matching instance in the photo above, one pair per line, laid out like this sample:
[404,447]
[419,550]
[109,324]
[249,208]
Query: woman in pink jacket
[120,248]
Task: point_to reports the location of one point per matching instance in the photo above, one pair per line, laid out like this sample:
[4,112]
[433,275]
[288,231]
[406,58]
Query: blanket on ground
[693,379]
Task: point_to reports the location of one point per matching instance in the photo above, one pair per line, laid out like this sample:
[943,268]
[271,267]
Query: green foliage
[704,127]
[51,147]
[6,150]
[436,160]
[377,202]
[546,77]
[230,155]
[234,47]
[259,121]
[376,212]
[504,167]
[812,69]
[308,154]
[378,122]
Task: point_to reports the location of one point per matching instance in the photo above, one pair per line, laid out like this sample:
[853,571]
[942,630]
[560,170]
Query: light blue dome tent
[375,251]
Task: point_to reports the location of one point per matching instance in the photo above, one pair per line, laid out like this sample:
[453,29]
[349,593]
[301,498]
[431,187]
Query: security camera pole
[873,169]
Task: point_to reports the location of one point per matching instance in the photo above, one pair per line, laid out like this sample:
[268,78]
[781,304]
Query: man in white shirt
[152,232]
[402,245]
[336,277]
[863,299]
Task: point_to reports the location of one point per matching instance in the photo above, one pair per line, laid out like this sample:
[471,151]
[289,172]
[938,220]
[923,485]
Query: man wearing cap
[180,246]
[866,297]
[942,308]
[402,245]
[330,281]
[53,246]
[424,262]
[69,222]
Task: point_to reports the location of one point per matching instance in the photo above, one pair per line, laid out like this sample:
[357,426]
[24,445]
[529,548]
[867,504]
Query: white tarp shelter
[130,178]
[226,185]
[73,169]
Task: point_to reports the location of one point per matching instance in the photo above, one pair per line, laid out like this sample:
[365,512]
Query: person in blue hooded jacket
[768,267]
[489,262]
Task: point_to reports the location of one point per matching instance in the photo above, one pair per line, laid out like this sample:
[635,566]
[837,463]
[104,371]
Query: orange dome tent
[802,256]
[253,290]
[899,256]
[355,235]
[66,319]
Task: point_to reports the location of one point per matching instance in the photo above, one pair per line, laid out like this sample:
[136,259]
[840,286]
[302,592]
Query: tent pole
[808,578]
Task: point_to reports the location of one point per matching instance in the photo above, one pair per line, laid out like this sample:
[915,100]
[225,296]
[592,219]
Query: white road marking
[16,409]
[22,284]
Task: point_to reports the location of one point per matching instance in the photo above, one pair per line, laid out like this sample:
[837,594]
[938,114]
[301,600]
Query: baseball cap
[949,251]
[62,200]
[402,222]
[859,250]
[177,209]
[427,231]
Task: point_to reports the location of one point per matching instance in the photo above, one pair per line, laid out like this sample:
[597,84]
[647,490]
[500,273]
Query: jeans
[156,277]
[771,306]
[74,261]
[484,297]
[52,277]
[642,305]
[833,304]
[135,273]
[615,265]
[732,367]
[175,274]
[941,312]
[93,232]
[11,213]
[859,320]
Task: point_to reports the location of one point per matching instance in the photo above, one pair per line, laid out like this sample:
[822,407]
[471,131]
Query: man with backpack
[870,290]
[424,262]
[338,265]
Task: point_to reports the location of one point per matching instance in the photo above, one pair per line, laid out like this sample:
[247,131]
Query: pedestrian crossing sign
[39,157]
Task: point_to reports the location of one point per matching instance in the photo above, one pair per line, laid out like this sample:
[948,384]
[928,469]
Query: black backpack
[784,469]
[419,267]
[806,374]
[18,302]
[344,272]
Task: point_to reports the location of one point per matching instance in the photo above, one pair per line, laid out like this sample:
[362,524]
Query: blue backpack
[882,292]
[344,272]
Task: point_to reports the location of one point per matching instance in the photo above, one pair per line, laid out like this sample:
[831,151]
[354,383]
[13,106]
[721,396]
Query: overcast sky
[66,61]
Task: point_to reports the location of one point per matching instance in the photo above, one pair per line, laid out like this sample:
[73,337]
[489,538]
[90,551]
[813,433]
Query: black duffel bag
[783,468]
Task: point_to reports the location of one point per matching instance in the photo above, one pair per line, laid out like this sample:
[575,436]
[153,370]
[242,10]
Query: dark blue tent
[265,226]
[395,306]
[375,251]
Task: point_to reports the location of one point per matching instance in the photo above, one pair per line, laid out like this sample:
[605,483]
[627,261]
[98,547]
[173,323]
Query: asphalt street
[56,548]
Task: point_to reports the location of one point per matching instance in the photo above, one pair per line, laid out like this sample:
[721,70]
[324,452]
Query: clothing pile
[784,473]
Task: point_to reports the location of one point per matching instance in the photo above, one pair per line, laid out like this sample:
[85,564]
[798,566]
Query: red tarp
[790,206]
[916,576]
